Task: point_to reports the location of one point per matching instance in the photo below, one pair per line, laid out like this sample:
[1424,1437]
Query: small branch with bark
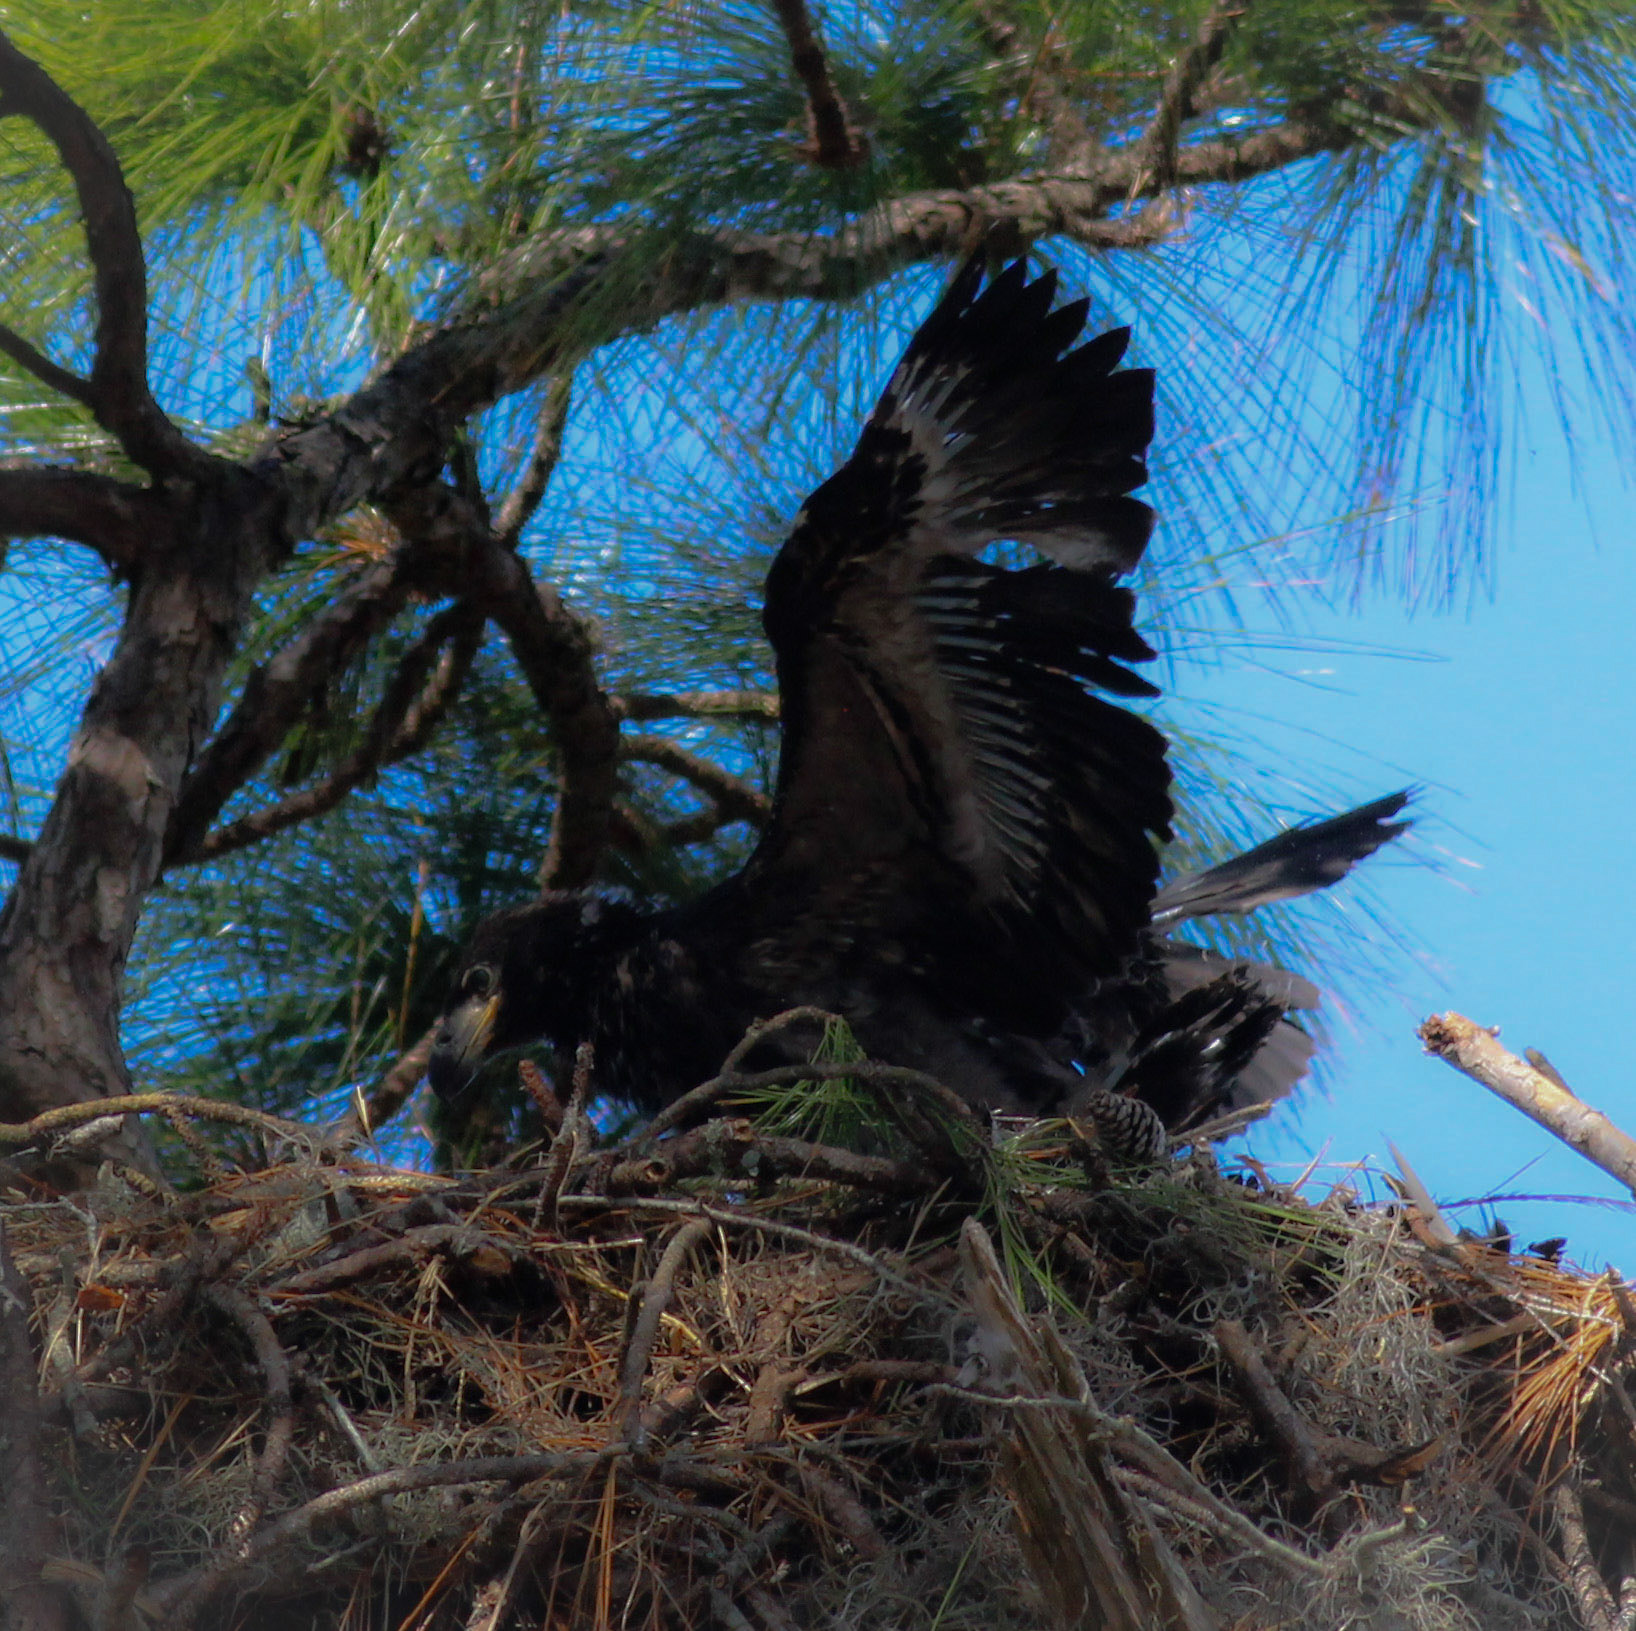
[734,798]
[555,650]
[115,519]
[277,691]
[833,141]
[518,509]
[641,708]
[420,692]
[117,391]
[1474,1051]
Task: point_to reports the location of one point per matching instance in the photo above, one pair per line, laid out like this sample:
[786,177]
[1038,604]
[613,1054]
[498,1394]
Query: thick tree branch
[115,519]
[118,390]
[696,705]
[275,694]
[553,648]
[734,797]
[833,142]
[422,688]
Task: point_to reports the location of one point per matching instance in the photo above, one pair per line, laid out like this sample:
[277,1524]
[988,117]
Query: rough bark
[67,927]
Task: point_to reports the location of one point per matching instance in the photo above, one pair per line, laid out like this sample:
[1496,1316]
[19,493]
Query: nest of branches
[835,1355]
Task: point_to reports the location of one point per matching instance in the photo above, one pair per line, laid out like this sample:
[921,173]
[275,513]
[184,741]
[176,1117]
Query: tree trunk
[67,928]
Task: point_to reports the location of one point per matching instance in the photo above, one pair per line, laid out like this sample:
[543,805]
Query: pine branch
[555,651]
[44,369]
[833,142]
[735,798]
[696,705]
[115,519]
[1152,158]
[518,510]
[423,687]
[275,694]
[117,391]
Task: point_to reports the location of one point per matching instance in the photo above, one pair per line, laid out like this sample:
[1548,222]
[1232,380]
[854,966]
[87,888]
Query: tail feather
[1294,863]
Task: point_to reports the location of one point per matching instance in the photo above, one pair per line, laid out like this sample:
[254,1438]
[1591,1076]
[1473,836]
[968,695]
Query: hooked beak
[461,1044]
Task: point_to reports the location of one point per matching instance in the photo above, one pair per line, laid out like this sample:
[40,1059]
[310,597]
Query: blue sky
[1514,712]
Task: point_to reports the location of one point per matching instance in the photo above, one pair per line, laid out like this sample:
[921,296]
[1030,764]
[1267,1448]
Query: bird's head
[522,979]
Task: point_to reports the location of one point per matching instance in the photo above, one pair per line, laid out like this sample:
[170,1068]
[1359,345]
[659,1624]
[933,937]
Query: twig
[733,1147]
[420,692]
[1469,1048]
[571,1138]
[275,1373]
[732,795]
[655,1299]
[408,1248]
[550,1107]
[518,509]
[1597,1609]
[117,391]
[393,1091]
[185,1594]
[834,143]
[1307,1475]
[25,1523]
[1165,1470]
[67,1116]
[729,1219]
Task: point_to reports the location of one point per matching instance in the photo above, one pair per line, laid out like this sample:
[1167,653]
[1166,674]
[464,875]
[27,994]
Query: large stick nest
[898,1371]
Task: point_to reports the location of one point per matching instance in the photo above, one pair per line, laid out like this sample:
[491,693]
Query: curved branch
[274,695]
[30,357]
[734,797]
[115,519]
[416,698]
[555,651]
[117,392]
[519,508]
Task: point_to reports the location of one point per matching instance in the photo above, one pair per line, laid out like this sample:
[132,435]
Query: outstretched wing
[947,760]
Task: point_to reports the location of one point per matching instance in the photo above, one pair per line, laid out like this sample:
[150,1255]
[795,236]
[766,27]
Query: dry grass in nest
[734,1380]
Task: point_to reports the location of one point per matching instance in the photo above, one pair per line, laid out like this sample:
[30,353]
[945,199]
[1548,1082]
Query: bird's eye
[479,981]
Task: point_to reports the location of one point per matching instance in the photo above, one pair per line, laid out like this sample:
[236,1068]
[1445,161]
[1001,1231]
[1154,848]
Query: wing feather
[1018,807]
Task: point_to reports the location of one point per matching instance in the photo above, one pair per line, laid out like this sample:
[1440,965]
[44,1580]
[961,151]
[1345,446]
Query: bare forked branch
[117,391]
[275,694]
[420,692]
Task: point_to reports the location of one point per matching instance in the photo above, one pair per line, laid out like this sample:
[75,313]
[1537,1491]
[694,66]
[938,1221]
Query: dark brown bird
[963,855]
